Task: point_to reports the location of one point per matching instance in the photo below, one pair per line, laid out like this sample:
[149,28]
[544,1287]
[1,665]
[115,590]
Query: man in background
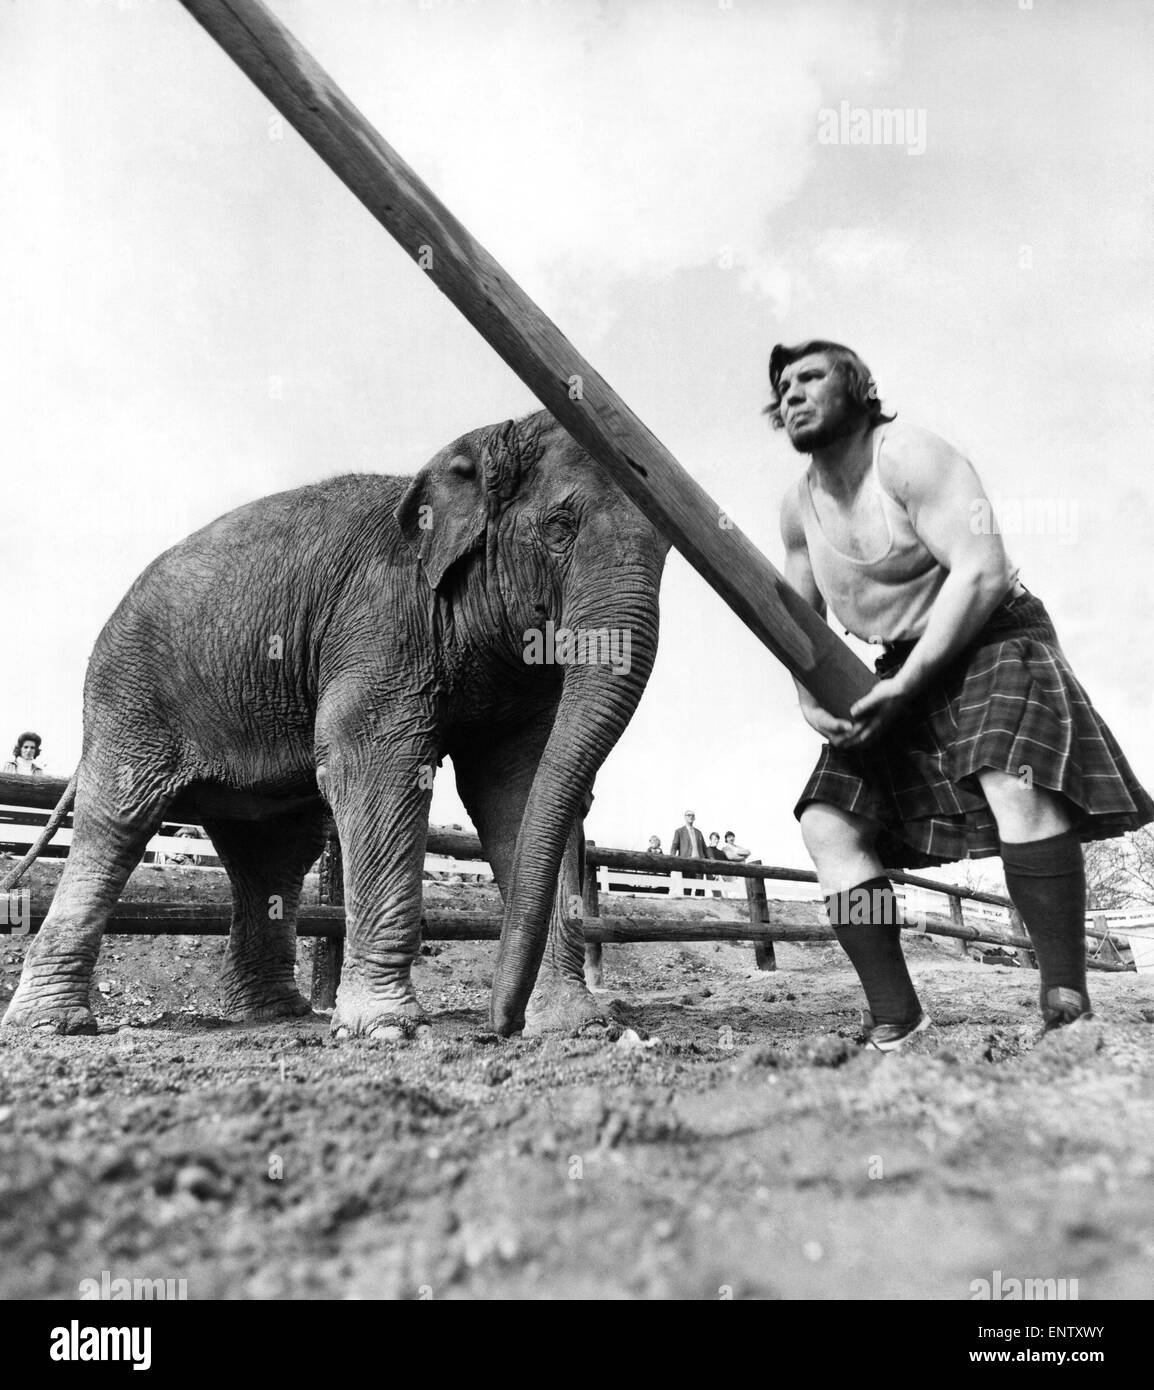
[689,843]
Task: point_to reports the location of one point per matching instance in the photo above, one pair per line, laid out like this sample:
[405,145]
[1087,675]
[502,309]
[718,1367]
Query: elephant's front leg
[494,781]
[561,1000]
[380,790]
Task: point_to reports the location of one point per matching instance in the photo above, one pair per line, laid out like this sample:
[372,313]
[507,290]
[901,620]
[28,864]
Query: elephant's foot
[251,996]
[49,1011]
[566,1006]
[265,1006]
[388,1015]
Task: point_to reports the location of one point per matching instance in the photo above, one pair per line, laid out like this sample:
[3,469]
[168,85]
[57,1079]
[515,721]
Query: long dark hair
[856,376]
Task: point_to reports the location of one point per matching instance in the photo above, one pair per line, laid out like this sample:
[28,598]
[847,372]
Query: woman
[732,850]
[24,754]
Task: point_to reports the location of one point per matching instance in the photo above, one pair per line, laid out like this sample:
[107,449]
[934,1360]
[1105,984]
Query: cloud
[856,251]
[588,144]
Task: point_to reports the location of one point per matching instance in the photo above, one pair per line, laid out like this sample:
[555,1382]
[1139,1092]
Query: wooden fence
[636,917]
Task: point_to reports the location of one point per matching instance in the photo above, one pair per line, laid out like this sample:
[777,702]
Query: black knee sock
[864,920]
[1046,880]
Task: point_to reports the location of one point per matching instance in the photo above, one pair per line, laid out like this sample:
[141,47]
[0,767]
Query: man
[689,843]
[978,740]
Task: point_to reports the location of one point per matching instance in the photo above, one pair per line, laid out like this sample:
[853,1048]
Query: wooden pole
[329,951]
[535,349]
[214,919]
[459,844]
[763,952]
[959,920]
[590,909]
[1104,943]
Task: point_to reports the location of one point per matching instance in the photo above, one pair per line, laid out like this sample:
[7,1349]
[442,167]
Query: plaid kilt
[1010,702]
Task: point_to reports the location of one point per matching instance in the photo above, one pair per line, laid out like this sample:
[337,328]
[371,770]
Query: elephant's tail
[63,806]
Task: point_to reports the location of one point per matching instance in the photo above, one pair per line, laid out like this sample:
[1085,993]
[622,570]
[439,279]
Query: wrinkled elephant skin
[332,645]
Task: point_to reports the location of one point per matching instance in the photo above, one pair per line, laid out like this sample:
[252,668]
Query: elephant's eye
[559,528]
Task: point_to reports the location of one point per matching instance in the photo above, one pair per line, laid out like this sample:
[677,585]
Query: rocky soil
[727,1138]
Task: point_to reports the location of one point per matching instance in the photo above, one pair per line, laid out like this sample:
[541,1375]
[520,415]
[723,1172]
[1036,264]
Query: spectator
[652,848]
[732,850]
[713,851]
[191,832]
[24,755]
[689,843]
[186,832]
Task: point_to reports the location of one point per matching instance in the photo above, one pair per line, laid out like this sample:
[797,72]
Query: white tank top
[884,599]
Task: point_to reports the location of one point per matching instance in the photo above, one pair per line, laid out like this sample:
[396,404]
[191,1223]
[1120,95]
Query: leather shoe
[889,1037]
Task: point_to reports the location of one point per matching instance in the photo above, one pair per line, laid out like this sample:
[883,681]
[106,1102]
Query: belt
[899,651]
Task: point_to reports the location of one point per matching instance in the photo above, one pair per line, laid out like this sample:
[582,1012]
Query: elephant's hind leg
[108,839]
[266,862]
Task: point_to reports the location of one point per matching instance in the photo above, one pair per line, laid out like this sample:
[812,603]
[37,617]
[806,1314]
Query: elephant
[321,651]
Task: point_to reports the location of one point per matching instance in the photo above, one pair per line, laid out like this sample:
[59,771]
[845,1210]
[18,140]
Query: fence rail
[645,917]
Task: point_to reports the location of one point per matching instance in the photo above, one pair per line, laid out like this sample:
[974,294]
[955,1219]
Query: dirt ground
[736,1142]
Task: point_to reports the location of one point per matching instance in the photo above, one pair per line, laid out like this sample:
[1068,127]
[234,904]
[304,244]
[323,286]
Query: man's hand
[831,728]
[874,712]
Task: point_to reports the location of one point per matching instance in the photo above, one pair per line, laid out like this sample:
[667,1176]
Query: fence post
[1105,944]
[591,907]
[958,918]
[763,951]
[329,951]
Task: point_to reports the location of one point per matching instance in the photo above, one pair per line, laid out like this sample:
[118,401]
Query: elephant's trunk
[597,703]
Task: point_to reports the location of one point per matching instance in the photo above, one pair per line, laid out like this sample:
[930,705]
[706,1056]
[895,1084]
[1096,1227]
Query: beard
[813,434]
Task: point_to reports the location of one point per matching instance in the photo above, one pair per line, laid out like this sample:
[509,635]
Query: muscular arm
[799,575]
[939,489]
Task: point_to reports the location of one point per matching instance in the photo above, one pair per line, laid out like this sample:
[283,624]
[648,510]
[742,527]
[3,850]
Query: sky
[197,312]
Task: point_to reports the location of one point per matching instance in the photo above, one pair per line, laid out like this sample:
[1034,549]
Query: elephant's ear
[443,514]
